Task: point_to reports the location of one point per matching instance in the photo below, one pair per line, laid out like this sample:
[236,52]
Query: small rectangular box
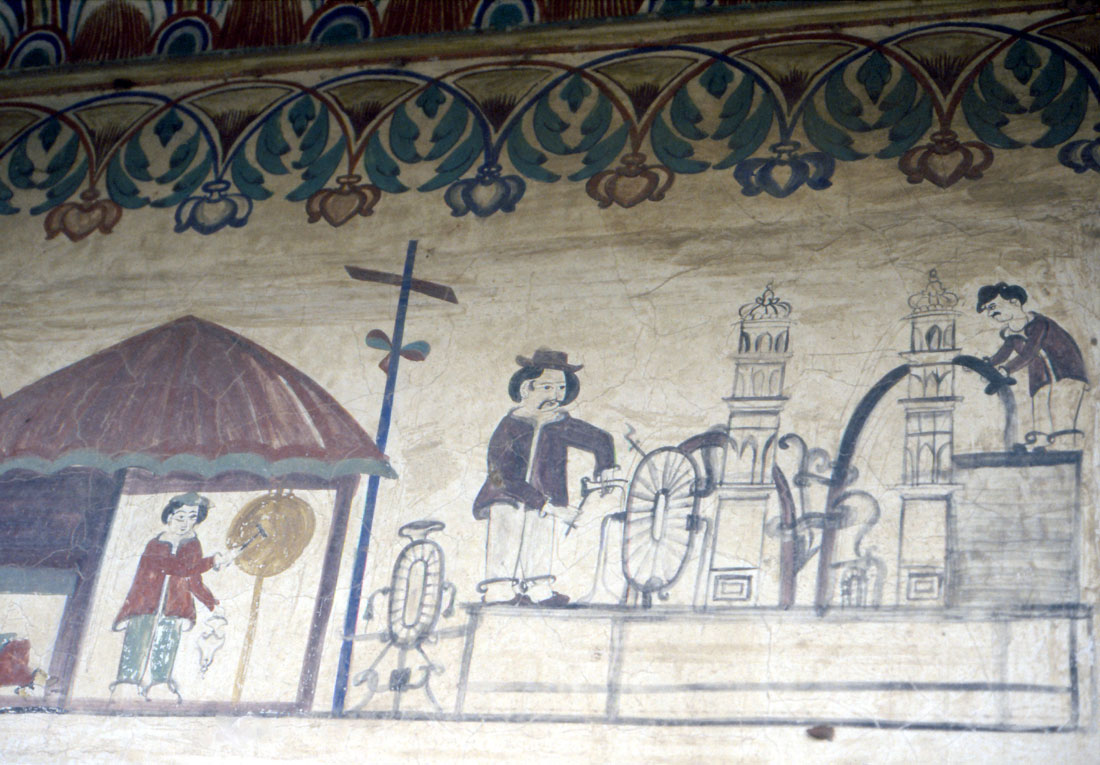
[732,587]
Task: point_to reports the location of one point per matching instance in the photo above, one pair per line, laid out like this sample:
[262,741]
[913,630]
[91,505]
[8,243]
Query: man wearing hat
[526,491]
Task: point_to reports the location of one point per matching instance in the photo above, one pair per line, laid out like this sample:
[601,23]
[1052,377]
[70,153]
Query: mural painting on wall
[941,101]
[704,534]
[184,508]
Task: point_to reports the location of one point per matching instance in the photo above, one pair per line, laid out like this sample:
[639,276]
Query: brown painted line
[326,588]
[438,291]
[565,38]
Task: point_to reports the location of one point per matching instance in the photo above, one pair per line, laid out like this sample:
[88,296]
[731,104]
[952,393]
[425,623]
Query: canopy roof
[187,396]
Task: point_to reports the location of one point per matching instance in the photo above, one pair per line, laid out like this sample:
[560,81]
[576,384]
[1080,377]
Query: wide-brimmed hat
[548,359]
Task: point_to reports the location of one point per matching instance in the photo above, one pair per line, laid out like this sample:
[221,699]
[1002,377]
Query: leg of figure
[135,650]
[537,554]
[1065,407]
[1046,411]
[1037,425]
[502,545]
[162,658]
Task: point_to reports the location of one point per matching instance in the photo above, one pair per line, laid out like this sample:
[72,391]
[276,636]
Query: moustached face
[544,393]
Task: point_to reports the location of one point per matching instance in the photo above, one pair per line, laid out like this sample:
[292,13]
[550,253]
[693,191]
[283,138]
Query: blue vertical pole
[355,597]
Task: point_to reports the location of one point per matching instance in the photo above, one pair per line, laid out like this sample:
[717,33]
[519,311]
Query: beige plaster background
[646,299]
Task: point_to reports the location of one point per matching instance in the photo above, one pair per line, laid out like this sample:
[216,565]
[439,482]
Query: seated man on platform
[525,492]
[1055,367]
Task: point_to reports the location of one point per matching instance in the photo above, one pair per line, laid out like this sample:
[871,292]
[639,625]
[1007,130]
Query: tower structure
[927,482]
[746,485]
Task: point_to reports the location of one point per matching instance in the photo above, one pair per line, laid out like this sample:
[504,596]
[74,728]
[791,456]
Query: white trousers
[519,550]
[1056,406]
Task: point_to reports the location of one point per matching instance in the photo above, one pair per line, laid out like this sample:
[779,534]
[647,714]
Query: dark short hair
[523,374]
[174,504]
[1003,291]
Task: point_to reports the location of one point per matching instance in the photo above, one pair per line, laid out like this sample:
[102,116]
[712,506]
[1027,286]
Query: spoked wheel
[416,593]
[661,521]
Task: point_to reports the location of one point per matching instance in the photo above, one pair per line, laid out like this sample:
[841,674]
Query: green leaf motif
[735,109]
[685,116]
[271,145]
[874,74]
[996,94]
[908,129]
[49,132]
[828,137]
[602,154]
[313,142]
[62,190]
[187,184]
[60,163]
[986,121]
[20,167]
[136,162]
[120,188]
[167,127]
[1022,60]
[527,159]
[301,114]
[716,79]
[1049,83]
[403,136]
[380,167]
[574,92]
[318,173]
[549,127]
[430,100]
[673,151]
[1065,115]
[5,197]
[842,103]
[448,130]
[595,125]
[181,159]
[750,134]
[459,160]
[898,102]
[248,179]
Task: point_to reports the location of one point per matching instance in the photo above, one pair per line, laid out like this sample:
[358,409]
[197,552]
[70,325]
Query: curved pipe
[837,481]
[998,384]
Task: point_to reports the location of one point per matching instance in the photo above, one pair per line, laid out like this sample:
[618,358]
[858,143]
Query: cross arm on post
[431,289]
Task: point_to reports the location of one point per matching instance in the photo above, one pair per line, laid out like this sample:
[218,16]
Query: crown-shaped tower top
[766,306]
[934,297]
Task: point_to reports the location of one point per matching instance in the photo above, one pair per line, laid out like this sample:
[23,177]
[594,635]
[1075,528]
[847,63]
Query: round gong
[275,529]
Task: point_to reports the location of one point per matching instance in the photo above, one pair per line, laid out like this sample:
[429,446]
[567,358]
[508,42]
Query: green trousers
[150,644]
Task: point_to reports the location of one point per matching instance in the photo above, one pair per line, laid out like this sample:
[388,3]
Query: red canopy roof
[187,396]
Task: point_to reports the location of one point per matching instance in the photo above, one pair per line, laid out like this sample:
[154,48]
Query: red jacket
[184,570]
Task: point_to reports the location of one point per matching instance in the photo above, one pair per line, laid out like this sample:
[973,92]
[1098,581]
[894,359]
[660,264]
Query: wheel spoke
[687,479]
[646,558]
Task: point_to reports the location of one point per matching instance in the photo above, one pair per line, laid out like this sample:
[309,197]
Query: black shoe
[557,600]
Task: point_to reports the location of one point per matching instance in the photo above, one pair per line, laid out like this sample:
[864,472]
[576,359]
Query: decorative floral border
[780,115]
